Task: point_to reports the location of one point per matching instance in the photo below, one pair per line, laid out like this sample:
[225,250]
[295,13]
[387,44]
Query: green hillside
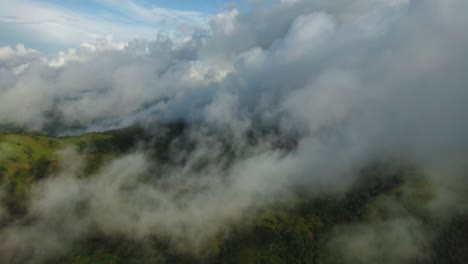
[301,229]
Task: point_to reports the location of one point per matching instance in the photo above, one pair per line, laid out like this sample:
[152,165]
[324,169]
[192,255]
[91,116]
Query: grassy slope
[20,151]
[28,157]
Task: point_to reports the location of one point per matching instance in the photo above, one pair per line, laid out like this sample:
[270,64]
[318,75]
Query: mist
[351,81]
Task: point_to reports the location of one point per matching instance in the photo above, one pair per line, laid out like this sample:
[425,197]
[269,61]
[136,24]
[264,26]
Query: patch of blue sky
[208,7]
[56,24]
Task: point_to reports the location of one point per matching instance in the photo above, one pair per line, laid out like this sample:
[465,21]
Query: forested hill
[383,217]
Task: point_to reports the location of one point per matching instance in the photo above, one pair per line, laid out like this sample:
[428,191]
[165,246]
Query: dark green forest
[300,228]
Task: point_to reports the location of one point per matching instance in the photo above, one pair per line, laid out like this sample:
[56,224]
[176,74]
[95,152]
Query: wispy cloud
[154,14]
[39,24]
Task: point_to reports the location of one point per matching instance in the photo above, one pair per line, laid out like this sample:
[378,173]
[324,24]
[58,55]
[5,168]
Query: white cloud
[154,14]
[44,24]
[17,59]
[86,51]
[225,23]
[354,82]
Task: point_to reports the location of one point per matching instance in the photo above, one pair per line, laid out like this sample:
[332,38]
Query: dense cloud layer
[128,83]
[356,80]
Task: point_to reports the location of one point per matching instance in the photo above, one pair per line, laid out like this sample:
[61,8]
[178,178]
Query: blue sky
[204,6]
[52,25]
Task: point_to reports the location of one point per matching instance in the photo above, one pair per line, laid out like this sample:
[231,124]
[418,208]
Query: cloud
[17,58]
[154,14]
[309,70]
[353,82]
[49,27]
[320,71]
[128,197]
[396,241]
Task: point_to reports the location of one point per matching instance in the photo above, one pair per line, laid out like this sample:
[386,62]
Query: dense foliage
[299,230]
